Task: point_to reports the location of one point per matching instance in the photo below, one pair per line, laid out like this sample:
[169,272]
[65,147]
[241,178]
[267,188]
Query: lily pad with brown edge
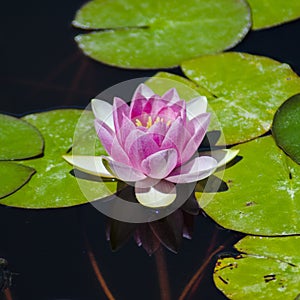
[258,194]
[159,34]
[18,139]
[267,268]
[286,127]
[248,89]
[53,185]
[12,177]
[269,13]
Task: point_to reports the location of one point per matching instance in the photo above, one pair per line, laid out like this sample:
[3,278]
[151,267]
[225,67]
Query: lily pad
[248,89]
[286,127]
[268,13]
[159,34]
[259,194]
[53,185]
[187,90]
[268,268]
[12,177]
[18,139]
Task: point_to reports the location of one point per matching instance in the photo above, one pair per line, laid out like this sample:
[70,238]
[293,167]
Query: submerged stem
[97,271]
[199,272]
[7,294]
[162,274]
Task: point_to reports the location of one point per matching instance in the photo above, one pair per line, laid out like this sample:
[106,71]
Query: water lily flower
[151,143]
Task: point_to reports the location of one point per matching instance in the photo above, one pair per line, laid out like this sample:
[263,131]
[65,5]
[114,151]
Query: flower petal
[197,128]
[177,136]
[154,105]
[171,96]
[140,145]
[120,108]
[103,111]
[89,164]
[118,153]
[105,134]
[197,169]
[222,156]
[125,129]
[196,107]
[143,90]
[180,108]
[162,194]
[122,171]
[158,165]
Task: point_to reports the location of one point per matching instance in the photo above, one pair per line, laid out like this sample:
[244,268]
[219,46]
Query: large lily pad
[187,90]
[268,268]
[157,34]
[12,177]
[268,13]
[53,185]
[18,139]
[259,195]
[286,127]
[248,89]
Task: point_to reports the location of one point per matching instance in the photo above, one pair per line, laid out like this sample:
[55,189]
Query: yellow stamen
[149,122]
[157,120]
[138,122]
[169,123]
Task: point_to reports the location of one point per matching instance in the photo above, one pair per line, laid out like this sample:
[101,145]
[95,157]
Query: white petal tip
[160,195]
[89,164]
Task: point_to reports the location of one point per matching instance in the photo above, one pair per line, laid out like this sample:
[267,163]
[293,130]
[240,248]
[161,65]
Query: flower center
[150,122]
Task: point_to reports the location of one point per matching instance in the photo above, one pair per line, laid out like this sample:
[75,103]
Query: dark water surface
[42,69]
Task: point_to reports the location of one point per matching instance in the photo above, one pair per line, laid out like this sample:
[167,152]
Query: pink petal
[122,171]
[118,153]
[120,108]
[171,96]
[180,109]
[167,113]
[160,164]
[105,134]
[154,105]
[124,130]
[197,169]
[139,146]
[159,128]
[197,128]
[196,107]
[143,90]
[147,182]
[177,135]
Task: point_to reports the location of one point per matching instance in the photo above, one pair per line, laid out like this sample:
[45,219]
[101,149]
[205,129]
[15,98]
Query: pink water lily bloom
[151,143]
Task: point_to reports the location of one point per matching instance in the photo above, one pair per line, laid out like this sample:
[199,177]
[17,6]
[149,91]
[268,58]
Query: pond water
[50,251]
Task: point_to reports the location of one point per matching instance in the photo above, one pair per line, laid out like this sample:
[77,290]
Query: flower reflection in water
[167,231]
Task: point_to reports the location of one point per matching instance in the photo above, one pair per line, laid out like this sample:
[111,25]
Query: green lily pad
[18,139]
[286,127]
[187,90]
[268,13]
[260,194]
[268,268]
[53,185]
[12,177]
[249,90]
[159,34]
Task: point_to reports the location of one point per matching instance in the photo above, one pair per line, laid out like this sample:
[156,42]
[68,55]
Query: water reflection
[167,231]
